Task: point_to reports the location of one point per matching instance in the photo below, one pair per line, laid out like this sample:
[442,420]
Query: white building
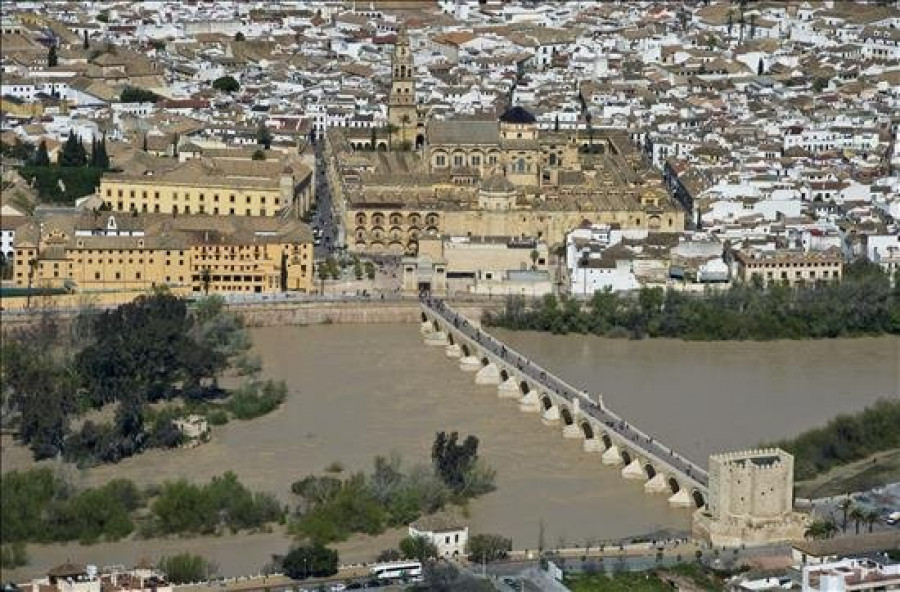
[448,534]
[853,574]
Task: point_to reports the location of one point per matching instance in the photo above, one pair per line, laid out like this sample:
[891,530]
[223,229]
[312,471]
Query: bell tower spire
[402,110]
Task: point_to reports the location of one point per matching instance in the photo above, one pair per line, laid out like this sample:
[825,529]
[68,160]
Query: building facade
[751,499]
[216,186]
[476,177]
[188,254]
[792,267]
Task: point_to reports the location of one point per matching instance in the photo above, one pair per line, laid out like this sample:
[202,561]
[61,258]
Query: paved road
[552,383]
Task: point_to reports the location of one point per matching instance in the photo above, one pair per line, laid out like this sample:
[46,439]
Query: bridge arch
[607,441]
[650,470]
[424,317]
[697,496]
[567,416]
[504,375]
[436,325]
[524,387]
[465,350]
[450,339]
[485,361]
[587,429]
[626,456]
[674,485]
[546,402]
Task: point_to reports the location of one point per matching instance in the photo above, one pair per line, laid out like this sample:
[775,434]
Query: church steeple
[402,111]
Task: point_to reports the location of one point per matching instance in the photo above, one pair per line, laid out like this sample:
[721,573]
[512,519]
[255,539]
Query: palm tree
[845,505]
[857,514]
[390,129]
[404,121]
[818,529]
[871,518]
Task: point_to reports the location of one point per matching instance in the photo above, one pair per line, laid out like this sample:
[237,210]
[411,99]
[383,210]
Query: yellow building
[476,177]
[790,266]
[108,252]
[217,186]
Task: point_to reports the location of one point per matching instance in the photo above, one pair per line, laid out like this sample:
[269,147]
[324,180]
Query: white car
[339,587]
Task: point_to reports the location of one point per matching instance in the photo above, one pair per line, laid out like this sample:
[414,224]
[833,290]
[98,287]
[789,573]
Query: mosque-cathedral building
[476,177]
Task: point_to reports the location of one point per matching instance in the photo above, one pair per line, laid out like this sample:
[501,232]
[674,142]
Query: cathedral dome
[517,115]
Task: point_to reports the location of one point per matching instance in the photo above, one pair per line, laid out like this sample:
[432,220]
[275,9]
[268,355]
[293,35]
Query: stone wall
[271,314]
[311,313]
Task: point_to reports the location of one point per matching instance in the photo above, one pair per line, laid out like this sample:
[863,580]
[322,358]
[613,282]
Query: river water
[361,390]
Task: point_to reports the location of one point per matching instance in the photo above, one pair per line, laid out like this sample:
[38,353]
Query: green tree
[259,155]
[857,515]
[132,94]
[452,460]
[226,84]
[72,153]
[41,157]
[484,548]
[185,568]
[315,561]
[52,58]
[239,36]
[86,43]
[263,135]
[419,548]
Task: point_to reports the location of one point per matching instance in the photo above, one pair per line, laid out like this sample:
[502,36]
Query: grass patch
[874,471]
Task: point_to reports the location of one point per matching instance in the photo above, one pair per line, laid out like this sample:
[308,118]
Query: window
[458,160]
[440,160]
[476,160]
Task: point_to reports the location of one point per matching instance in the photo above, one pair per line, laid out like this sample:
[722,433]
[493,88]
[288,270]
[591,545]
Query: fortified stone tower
[402,110]
[751,499]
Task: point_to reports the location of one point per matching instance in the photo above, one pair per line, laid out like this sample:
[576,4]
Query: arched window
[520,165]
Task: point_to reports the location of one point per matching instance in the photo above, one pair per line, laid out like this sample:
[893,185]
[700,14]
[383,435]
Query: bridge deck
[552,383]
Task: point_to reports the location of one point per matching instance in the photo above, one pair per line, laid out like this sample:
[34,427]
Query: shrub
[185,568]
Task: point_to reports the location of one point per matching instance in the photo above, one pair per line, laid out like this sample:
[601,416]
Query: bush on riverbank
[38,506]
[185,508]
[332,509]
[153,349]
[863,303]
[186,568]
[845,438]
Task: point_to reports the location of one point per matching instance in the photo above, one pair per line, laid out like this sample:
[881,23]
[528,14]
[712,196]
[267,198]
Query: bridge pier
[437,338]
[572,431]
[469,364]
[530,403]
[657,484]
[489,374]
[550,416]
[592,445]
[453,350]
[681,499]
[425,327]
[634,471]
[508,389]
[612,456]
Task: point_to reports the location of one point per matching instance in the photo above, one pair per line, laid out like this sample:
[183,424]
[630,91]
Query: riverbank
[360,390]
[873,471]
[287,312]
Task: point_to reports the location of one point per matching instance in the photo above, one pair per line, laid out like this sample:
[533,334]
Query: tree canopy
[226,84]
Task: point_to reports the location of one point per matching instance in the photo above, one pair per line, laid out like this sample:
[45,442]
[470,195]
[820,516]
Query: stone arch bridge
[618,442]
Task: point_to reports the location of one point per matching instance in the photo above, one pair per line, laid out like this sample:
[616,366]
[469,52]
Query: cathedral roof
[497,184]
[517,115]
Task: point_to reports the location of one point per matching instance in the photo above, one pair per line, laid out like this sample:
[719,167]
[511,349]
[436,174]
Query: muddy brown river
[361,390]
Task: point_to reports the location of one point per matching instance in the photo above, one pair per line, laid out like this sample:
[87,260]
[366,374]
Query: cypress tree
[93,158]
[41,157]
[102,156]
[87,43]
[51,56]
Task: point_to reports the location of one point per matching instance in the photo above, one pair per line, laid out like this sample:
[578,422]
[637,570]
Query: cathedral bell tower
[402,110]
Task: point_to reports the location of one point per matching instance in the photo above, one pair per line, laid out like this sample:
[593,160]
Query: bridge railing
[651,447]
